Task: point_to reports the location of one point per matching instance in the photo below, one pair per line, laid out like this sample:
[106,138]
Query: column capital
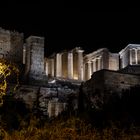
[99,57]
[93,60]
[79,51]
[89,62]
[133,49]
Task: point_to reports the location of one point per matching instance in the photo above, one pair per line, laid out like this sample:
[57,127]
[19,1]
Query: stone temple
[74,66]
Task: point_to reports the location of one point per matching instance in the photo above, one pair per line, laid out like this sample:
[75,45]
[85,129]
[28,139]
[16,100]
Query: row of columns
[93,66]
[83,73]
[57,69]
[135,57]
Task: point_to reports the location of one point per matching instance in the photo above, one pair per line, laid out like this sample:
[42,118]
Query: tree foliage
[6,70]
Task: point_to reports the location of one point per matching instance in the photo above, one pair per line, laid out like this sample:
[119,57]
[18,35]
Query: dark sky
[68,26]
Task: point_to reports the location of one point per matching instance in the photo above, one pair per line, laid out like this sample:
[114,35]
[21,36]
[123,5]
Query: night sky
[68,26]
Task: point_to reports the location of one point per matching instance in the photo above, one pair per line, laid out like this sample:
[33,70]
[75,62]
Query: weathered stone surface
[35,57]
[52,99]
[28,94]
[104,83]
[11,45]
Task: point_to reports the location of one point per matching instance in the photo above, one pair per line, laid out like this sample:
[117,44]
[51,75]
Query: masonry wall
[52,99]
[105,85]
[113,61]
[16,50]
[120,81]
[110,81]
[125,58]
[35,57]
[28,94]
[11,46]
[95,83]
[4,43]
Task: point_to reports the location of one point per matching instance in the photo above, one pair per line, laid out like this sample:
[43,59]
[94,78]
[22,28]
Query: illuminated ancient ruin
[72,64]
[61,74]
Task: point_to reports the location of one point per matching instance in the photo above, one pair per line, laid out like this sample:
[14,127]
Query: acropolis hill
[120,70]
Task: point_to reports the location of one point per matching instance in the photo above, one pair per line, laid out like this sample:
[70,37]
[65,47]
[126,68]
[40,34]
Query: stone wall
[55,107]
[17,47]
[106,84]
[35,57]
[115,81]
[52,99]
[11,45]
[4,43]
[131,69]
[113,61]
[111,81]
[28,94]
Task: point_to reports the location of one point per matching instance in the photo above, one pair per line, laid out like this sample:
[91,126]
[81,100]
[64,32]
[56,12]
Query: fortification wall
[110,81]
[16,49]
[4,43]
[105,85]
[120,81]
[11,46]
[35,57]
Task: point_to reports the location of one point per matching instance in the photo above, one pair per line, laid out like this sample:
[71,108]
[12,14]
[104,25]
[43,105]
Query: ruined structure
[11,46]
[67,64]
[98,60]
[107,84]
[34,57]
[72,64]
[111,81]
[63,72]
[130,55]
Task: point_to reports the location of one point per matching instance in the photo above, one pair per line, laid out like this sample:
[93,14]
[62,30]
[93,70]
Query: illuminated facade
[130,55]
[98,60]
[73,64]
[76,65]
[34,59]
[66,64]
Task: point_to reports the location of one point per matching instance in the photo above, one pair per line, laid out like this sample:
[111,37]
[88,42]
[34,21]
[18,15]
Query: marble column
[84,71]
[89,72]
[136,56]
[70,65]
[80,64]
[52,67]
[46,68]
[94,65]
[58,65]
[99,63]
[130,58]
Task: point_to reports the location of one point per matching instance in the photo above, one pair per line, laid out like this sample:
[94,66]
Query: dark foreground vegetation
[71,129]
[117,119]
